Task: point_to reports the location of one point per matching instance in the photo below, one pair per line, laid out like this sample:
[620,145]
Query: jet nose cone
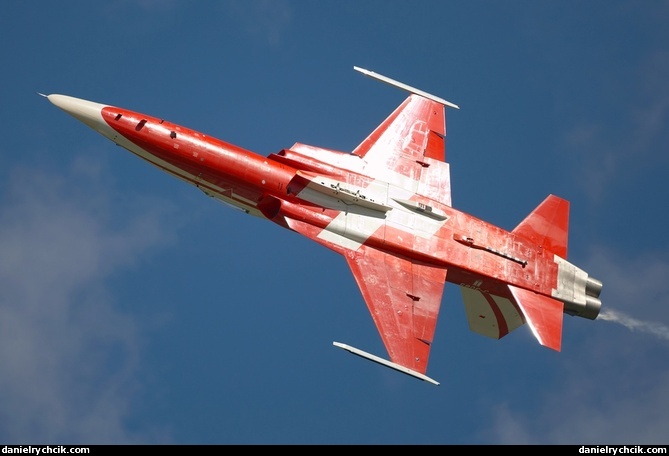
[86,111]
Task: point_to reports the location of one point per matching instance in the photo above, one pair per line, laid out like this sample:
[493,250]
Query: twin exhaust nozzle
[592,306]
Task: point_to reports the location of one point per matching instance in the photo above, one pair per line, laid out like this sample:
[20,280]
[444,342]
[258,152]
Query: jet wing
[417,128]
[403,298]
[404,158]
[408,149]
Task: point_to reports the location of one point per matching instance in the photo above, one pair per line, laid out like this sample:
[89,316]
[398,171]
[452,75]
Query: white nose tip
[86,111]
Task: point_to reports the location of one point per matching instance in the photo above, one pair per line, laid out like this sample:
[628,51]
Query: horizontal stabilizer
[548,225]
[542,314]
[384,362]
[489,314]
[495,315]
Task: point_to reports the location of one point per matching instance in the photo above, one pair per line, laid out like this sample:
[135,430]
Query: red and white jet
[386,208]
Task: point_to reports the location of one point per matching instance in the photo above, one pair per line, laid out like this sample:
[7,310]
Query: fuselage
[329,191]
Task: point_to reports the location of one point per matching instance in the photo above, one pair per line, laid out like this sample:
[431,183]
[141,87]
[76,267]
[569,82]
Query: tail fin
[548,225]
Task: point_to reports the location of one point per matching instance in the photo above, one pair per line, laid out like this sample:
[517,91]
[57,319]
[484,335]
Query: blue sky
[133,309]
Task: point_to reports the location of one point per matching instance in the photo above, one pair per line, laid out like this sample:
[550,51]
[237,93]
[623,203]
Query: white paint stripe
[510,313]
[352,230]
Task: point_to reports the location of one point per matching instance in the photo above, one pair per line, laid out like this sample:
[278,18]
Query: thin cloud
[615,388]
[570,415]
[268,19]
[605,153]
[69,357]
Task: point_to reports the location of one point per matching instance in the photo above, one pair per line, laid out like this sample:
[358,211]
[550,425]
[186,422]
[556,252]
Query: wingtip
[406,87]
[384,362]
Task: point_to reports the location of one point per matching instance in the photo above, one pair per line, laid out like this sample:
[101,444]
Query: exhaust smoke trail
[656,329]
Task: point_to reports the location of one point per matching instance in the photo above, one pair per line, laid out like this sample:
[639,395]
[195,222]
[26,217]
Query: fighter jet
[386,208]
